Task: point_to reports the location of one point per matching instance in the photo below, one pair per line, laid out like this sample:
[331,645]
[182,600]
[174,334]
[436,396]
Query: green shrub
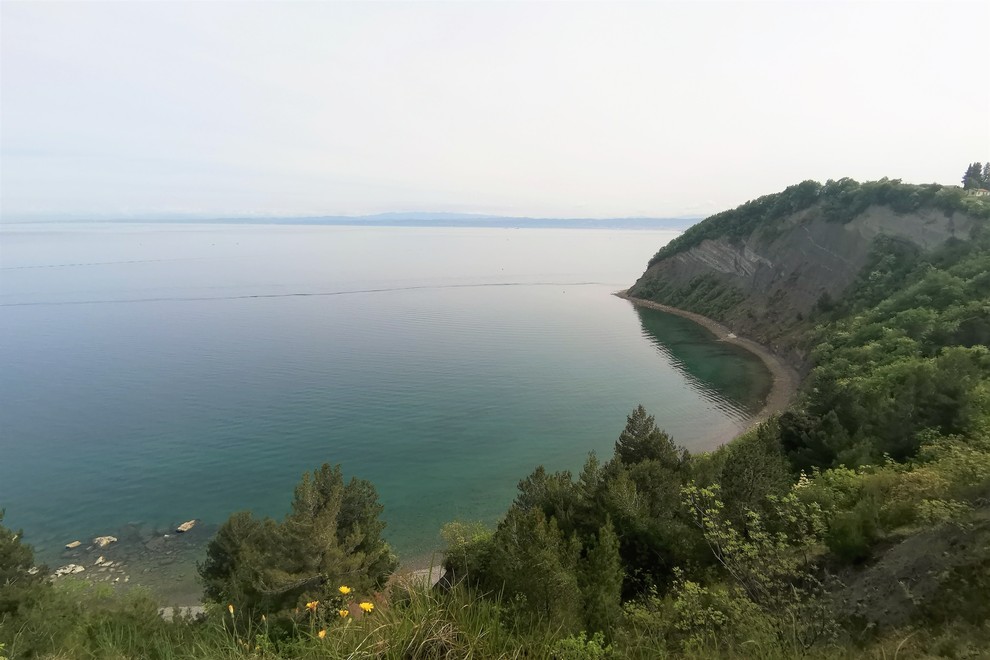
[332,537]
[20,579]
[579,647]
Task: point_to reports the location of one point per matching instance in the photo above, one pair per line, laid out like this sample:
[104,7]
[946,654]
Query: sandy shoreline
[785,379]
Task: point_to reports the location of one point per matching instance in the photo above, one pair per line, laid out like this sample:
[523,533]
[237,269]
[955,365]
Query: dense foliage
[888,441]
[331,537]
[836,201]
[19,577]
[904,355]
[705,294]
[977,176]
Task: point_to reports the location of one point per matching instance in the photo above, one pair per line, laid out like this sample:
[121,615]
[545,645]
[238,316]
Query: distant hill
[425,219]
[768,268]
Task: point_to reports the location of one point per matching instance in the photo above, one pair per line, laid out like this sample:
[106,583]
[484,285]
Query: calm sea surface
[151,374]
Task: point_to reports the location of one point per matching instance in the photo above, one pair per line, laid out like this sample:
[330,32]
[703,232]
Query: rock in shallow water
[186,526]
[68,569]
[104,541]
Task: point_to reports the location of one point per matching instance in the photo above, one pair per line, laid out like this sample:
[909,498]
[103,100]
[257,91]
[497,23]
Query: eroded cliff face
[766,286]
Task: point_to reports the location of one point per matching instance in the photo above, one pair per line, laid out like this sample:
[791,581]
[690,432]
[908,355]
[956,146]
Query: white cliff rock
[68,569]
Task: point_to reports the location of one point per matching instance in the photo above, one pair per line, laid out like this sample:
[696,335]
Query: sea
[156,373]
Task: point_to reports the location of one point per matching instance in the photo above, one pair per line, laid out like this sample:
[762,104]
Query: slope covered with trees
[773,267]
[888,443]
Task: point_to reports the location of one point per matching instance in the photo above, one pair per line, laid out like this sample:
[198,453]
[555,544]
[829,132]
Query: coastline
[165,563]
[784,378]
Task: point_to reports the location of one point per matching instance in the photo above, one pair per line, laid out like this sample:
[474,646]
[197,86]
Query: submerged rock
[156,544]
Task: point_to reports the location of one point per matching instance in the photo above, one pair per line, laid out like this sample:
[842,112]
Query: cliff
[769,269]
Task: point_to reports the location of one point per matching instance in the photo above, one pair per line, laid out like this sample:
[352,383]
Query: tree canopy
[977,176]
[331,537]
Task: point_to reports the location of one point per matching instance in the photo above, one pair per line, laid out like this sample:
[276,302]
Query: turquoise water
[153,373]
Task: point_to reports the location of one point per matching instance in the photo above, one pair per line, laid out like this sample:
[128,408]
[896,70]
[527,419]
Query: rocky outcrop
[924,571]
[765,285]
[104,541]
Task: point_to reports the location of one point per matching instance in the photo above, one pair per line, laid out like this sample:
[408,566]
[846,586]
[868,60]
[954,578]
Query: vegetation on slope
[902,357]
[840,201]
[855,524]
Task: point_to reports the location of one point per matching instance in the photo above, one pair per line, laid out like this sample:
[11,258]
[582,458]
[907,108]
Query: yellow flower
[230,608]
[321,634]
[311,605]
[367,607]
[343,613]
[344,590]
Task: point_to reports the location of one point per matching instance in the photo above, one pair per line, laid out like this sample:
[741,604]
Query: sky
[211,109]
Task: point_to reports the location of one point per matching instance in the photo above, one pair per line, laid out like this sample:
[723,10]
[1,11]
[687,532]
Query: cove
[154,374]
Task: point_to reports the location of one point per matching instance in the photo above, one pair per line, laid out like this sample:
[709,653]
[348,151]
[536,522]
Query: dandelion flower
[321,634]
[311,605]
[343,612]
[344,590]
[230,608]
[367,607]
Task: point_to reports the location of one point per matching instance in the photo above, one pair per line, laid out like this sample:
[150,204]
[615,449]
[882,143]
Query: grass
[75,620]
[413,622]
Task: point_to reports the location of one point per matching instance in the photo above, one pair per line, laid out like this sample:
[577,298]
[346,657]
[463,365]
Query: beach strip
[785,379]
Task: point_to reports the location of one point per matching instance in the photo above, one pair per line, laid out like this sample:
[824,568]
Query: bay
[153,373]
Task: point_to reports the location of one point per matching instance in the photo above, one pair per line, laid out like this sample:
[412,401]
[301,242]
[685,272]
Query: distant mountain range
[420,219]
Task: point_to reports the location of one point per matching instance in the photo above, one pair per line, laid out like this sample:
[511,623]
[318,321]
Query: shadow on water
[729,376]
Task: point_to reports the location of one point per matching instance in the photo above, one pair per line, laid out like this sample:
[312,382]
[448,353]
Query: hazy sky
[222,108]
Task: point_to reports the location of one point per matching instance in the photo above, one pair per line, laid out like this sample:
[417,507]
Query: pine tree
[601,583]
[331,537]
[641,440]
[974,177]
[532,558]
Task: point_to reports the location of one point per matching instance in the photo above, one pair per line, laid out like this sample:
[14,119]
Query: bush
[579,647]
[331,537]
[20,579]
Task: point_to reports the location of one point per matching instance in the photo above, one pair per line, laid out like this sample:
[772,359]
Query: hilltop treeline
[839,201]
[856,524]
